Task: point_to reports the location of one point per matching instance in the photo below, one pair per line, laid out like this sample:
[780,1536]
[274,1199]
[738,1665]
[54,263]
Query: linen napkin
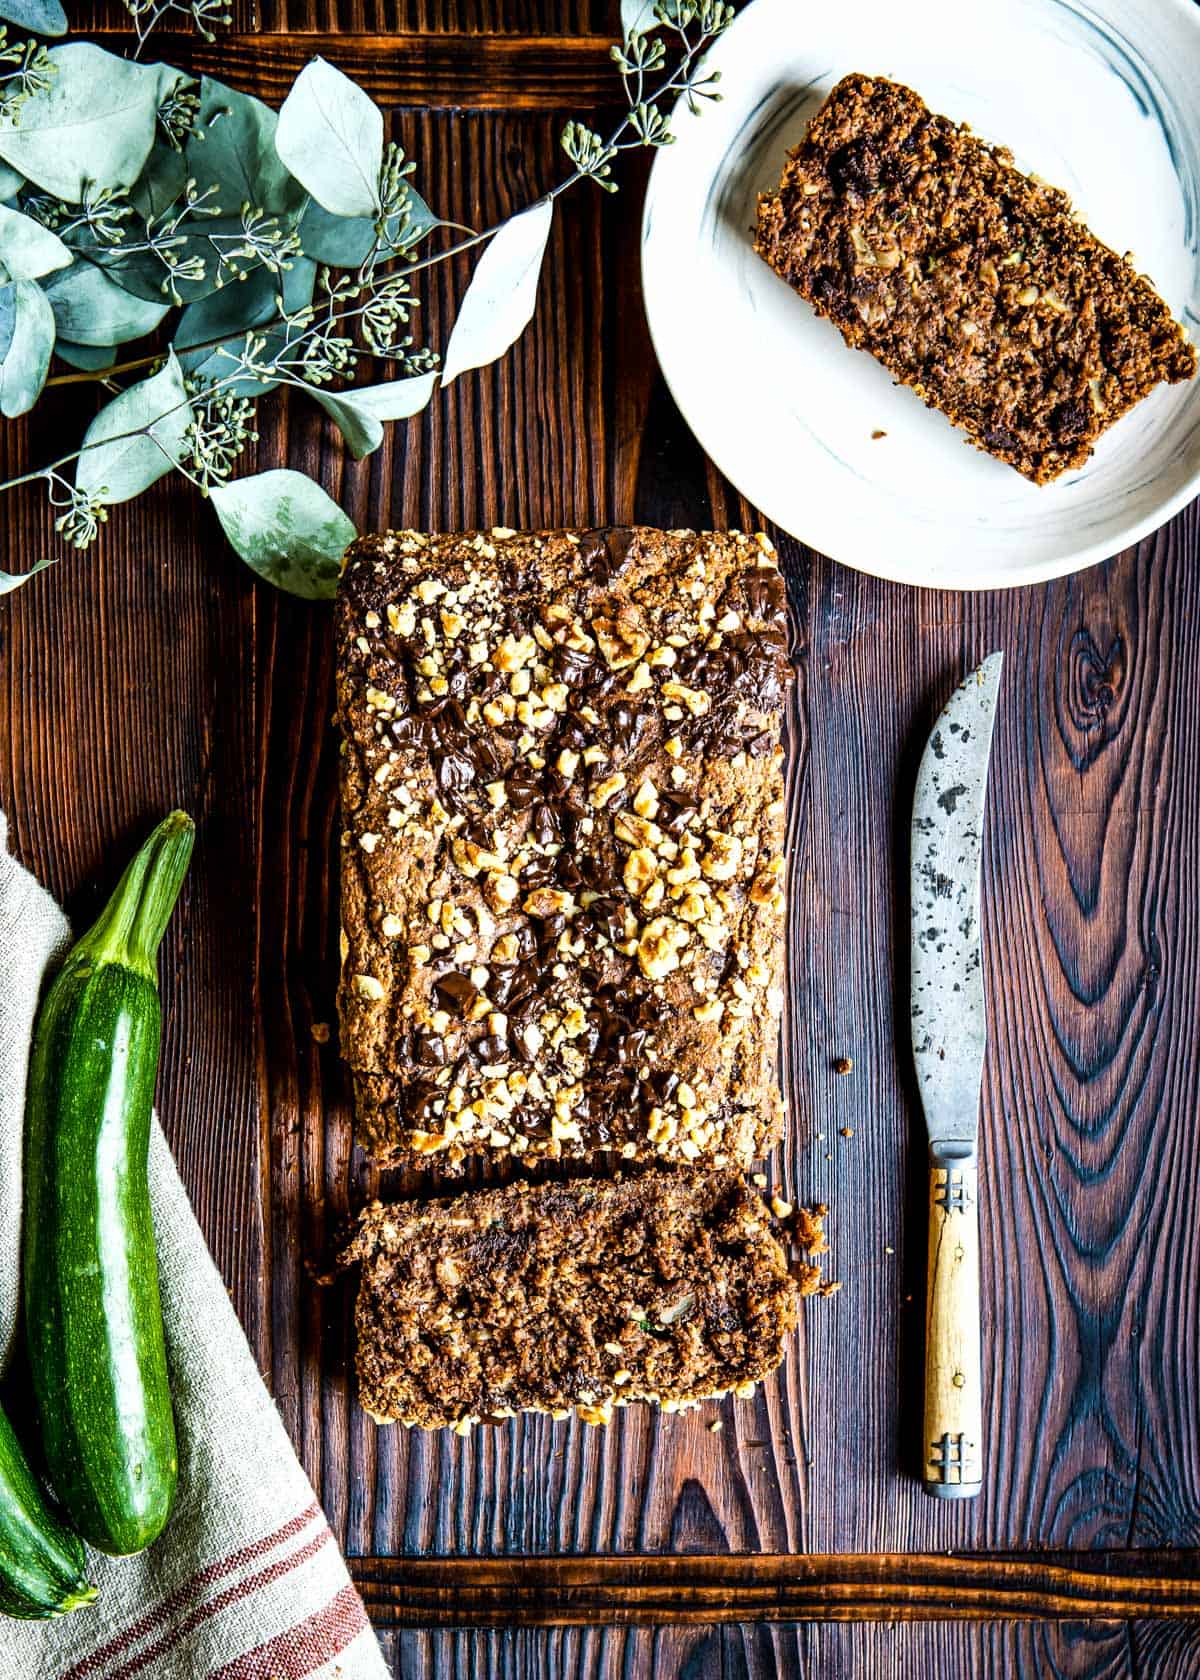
[246,1583]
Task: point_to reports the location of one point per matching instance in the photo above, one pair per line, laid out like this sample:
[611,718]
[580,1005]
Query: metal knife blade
[949,1023]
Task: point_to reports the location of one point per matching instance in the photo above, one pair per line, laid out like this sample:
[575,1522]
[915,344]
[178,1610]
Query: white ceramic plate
[1101,97]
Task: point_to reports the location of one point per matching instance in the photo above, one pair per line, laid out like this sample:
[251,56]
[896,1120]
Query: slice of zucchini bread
[668,1286]
[562,864]
[972,283]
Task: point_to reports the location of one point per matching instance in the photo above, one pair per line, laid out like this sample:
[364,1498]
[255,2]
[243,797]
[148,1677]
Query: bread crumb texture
[974,284]
[582,1297]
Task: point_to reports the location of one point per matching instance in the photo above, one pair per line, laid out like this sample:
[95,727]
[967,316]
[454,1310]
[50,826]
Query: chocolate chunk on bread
[669,1286]
[562,864]
[972,283]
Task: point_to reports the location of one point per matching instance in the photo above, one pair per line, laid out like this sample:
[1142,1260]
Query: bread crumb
[809,1279]
[320,1032]
[809,1229]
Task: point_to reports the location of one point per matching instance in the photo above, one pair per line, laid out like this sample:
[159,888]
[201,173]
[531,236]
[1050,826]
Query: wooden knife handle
[953,1448]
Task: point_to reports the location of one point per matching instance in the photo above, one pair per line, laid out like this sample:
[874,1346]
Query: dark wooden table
[155,672]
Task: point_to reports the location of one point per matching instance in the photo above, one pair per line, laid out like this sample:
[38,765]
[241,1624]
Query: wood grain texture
[866,1587]
[438,71]
[154,672]
[376,17]
[889,1651]
[476,17]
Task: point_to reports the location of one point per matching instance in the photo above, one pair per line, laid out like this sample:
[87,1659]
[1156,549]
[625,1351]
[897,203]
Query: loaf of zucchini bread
[562,864]
[668,1286]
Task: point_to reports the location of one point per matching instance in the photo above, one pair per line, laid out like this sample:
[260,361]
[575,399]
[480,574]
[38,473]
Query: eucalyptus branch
[299,287]
[205,14]
[32,72]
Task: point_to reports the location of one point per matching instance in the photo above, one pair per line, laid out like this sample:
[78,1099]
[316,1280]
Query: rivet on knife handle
[953,1467]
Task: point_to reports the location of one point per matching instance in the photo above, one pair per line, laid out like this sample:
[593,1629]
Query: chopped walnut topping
[622,644]
[659,946]
[565,777]
[645,800]
[549,901]
[607,789]
[641,868]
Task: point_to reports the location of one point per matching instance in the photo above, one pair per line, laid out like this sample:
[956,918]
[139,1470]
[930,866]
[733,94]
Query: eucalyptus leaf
[167,80]
[362,431]
[212,333]
[92,309]
[330,136]
[639,17]
[13,580]
[137,438]
[359,413]
[89,358]
[397,399]
[8,317]
[286,529]
[27,359]
[233,149]
[27,249]
[40,17]
[93,124]
[503,292]
[161,183]
[346,241]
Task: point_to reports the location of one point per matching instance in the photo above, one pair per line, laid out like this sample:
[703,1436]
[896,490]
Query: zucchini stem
[130,928]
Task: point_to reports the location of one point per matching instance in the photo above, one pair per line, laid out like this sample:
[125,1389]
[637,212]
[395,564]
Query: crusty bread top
[562,864]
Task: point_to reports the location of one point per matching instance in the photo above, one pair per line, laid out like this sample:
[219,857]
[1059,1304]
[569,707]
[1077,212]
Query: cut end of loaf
[557,1298]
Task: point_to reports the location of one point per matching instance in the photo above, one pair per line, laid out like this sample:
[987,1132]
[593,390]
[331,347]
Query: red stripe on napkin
[99,1658]
[304,1648]
[231,1595]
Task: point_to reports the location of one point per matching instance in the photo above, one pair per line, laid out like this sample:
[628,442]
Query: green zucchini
[92,1313]
[43,1570]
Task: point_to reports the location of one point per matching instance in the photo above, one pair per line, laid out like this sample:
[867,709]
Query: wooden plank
[549,449]
[690,1590]
[456,71]
[1094,1042]
[815,1651]
[378,17]
[476,17]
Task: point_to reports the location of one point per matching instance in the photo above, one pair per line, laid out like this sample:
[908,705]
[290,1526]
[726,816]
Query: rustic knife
[949,1036]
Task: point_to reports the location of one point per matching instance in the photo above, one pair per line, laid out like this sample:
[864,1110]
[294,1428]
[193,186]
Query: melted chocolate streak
[745,676]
